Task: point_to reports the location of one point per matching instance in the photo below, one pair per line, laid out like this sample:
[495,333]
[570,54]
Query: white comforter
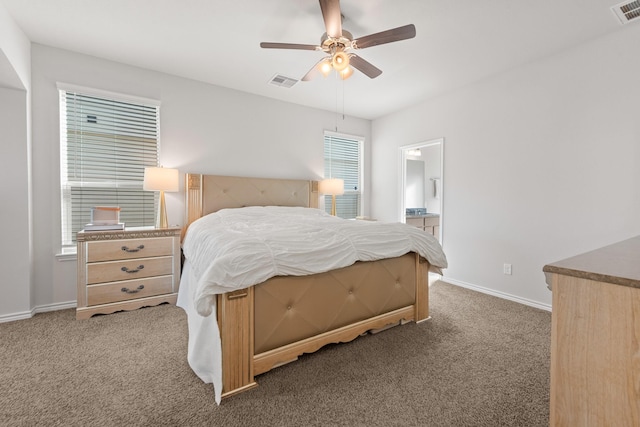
[237,248]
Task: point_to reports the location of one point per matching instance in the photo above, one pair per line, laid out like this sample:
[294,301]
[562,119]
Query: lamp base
[333,205]
[161,221]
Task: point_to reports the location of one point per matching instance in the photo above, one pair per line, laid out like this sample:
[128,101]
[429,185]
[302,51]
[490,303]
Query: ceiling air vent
[627,11]
[282,81]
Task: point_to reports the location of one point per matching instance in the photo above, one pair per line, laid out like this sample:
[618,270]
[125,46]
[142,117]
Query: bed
[239,331]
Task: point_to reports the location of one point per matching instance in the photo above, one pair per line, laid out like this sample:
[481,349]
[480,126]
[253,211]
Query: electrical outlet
[507,269]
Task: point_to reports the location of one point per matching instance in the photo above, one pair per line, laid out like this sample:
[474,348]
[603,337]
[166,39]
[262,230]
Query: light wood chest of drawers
[127,269]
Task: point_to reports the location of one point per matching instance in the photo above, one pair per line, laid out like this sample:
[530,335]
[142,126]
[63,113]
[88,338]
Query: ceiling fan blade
[312,73]
[268,45]
[332,17]
[365,67]
[393,35]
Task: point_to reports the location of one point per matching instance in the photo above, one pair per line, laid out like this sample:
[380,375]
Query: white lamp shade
[161,179]
[332,186]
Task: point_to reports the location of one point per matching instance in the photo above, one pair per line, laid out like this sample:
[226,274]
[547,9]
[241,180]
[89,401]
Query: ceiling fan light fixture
[346,73]
[336,40]
[325,67]
[340,61]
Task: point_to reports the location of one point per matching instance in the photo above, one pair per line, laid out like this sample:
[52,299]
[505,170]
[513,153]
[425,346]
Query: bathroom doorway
[421,193]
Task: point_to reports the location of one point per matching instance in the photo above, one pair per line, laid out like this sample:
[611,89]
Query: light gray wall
[431,158]
[16,284]
[15,55]
[204,129]
[15,250]
[541,163]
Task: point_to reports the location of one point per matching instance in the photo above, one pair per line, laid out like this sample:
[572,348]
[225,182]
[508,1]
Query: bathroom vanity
[429,222]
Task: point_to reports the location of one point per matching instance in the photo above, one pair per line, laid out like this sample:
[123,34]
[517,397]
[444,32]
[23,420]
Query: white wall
[541,163]
[15,53]
[431,158]
[16,282]
[204,129]
[15,250]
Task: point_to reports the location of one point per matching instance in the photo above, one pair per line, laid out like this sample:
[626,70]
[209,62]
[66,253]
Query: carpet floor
[480,361]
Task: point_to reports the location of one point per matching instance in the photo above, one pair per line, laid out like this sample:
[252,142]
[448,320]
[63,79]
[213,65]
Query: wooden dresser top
[618,263]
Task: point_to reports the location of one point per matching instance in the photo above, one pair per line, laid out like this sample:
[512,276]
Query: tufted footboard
[276,321]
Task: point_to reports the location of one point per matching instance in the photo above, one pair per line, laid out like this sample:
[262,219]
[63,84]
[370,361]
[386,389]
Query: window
[343,159]
[105,144]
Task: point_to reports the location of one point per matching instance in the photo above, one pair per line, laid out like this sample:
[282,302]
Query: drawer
[416,222]
[111,271]
[128,289]
[431,221]
[110,250]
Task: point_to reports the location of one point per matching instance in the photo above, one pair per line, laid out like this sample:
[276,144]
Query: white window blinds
[343,159]
[105,144]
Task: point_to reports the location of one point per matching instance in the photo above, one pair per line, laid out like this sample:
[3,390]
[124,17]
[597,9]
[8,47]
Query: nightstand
[127,269]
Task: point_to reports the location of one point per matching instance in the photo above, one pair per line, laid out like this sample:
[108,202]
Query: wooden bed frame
[237,311]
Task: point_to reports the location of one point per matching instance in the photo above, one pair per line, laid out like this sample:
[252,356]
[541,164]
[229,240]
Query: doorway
[421,192]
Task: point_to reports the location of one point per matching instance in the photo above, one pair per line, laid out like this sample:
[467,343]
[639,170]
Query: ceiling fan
[339,44]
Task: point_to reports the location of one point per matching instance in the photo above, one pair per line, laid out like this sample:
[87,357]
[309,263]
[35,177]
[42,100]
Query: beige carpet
[480,361]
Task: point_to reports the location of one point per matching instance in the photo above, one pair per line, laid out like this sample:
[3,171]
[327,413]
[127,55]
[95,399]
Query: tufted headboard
[209,193]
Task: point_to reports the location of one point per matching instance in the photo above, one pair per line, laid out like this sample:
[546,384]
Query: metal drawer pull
[134,291]
[126,249]
[126,270]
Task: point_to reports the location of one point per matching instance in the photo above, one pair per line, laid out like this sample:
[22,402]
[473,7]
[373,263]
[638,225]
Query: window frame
[67,241]
[360,140]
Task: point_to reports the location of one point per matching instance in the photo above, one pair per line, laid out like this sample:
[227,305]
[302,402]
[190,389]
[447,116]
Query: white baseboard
[498,294]
[16,316]
[55,307]
[39,309]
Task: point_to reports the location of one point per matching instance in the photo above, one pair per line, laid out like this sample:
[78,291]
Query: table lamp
[161,179]
[334,187]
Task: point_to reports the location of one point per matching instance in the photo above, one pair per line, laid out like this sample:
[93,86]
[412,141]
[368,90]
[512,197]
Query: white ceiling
[457,42]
